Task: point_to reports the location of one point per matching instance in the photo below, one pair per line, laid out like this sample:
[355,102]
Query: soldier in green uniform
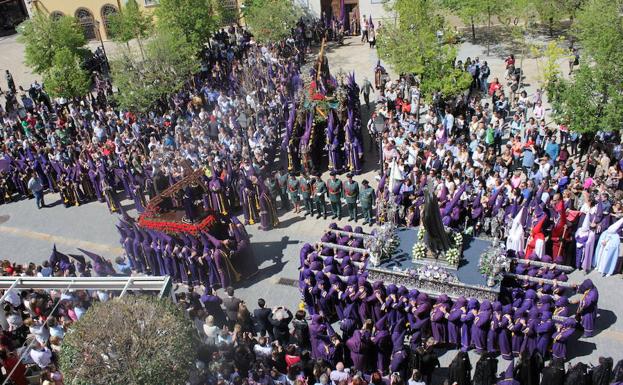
[351,194]
[334,186]
[282,182]
[319,190]
[272,186]
[366,198]
[305,190]
[293,192]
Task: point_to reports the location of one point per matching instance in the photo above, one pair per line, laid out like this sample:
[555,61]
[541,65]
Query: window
[55,15]
[230,4]
[86,20]
[151,3]
[108,10]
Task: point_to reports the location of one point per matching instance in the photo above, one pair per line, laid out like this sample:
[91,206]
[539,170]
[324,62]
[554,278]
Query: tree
[194,20]
[66,78]
[43,36]
[131,23]
[134,340]
[169,62]
[271,20]
[591,100]
[411,46]
[550,12]
[549,58]
[520,25]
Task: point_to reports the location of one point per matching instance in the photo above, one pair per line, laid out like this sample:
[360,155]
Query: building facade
[93,15]
[356,8]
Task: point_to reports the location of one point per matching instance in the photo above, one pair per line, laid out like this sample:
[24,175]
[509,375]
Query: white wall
[377,10]
[365,8]
[311,6]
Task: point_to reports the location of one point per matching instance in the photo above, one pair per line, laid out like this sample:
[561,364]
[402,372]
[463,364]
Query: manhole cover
[4,218]
[288,282]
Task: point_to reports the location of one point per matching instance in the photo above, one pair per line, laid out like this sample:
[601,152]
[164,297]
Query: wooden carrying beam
[349,233]
[528,262]
[541,280]
[341,247]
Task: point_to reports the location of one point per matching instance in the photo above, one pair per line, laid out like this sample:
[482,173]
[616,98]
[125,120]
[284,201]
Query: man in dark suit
[262,324]
[231,305]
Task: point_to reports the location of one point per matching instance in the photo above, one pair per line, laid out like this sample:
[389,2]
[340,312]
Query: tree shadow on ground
[502,42]
[267,251]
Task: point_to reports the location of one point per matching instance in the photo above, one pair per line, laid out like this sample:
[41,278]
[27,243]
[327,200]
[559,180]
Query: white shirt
[42,358]
[265,351]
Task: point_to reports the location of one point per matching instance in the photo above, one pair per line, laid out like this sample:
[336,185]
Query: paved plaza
[27,234]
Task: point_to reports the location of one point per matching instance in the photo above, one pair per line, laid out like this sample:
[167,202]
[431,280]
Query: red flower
[206,224]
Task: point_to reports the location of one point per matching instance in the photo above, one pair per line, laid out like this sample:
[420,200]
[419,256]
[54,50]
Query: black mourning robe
[460,369]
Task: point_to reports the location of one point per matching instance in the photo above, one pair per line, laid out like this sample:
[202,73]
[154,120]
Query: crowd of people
[278,346]
[228,120]
[33,323]
[499,168]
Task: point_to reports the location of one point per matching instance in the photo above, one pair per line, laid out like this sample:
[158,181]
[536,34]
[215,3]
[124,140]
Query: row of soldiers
[313,191]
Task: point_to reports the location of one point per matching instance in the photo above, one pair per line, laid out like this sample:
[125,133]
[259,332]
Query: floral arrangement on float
[452,256]
[382,243]
[493,264]
[205,224]
[433,272]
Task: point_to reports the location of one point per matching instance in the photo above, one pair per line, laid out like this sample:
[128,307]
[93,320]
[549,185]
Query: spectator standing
[416,378]
[36,186]
[301,330]
[280,319]
[262,324]
[231,305]
[339,374]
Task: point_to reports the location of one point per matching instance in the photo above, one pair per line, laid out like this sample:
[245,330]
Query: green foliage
[66,78]
[271,20]
[194,20]
[135,340]
[591,100]
[169,61]
[44,36]
[549,58]
[130,23]
[412,46]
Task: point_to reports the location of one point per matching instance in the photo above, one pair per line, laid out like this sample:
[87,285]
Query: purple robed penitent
[438,320]
[480,326]
[588,306]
